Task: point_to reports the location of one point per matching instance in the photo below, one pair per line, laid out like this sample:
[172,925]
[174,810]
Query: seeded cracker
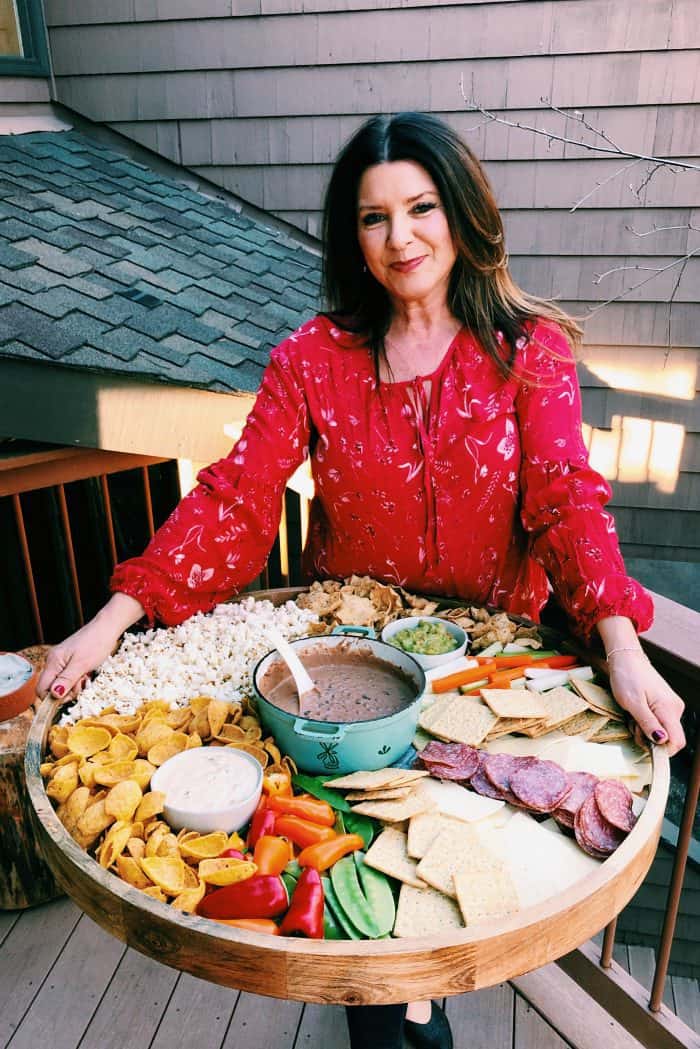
[421,911]
[485,890]
[585,724]
[388,854]
[612,732]
[464,721]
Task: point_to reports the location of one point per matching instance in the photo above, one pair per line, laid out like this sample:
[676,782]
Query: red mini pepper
[305,914]
[263,822]
[261,896]
[306,808]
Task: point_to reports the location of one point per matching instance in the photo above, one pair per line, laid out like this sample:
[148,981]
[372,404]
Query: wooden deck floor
[66,984]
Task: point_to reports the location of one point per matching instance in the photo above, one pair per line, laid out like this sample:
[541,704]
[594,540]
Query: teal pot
[324,746]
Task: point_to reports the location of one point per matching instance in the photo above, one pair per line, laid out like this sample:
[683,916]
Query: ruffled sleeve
[219,536]
[572,536]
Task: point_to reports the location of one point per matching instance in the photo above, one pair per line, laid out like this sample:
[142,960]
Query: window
[22,39]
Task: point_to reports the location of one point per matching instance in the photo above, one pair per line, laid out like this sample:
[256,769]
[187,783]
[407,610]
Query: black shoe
[435,1034]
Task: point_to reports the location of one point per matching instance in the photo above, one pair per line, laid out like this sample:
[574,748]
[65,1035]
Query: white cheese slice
[453,800]
[522,746]
[541,863]
[602,759]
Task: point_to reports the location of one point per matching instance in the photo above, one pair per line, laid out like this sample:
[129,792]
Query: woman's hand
[651,702]
[70,662]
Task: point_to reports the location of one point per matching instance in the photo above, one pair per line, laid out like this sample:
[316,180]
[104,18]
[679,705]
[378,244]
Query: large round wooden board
[347,972]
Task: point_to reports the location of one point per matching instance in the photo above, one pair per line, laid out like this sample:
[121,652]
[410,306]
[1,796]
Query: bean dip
[351,685]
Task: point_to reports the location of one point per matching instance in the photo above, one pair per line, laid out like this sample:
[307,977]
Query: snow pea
[346,883]
[337,912]
[365,826]
[314,785]
[377,891]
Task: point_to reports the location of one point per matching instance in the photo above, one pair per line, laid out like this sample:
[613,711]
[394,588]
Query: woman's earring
[364,269]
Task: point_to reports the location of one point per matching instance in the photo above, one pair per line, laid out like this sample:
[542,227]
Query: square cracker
[611,732]
[584,724]
[388,853]
[561,704]
[485,891]
[423,829]
[454,848]
[395,811]
[423,912]
[464,721]
[376,780]
[514,702]
[598,699]
[389,794]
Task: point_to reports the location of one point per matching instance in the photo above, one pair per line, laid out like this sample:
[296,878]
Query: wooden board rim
[606,892]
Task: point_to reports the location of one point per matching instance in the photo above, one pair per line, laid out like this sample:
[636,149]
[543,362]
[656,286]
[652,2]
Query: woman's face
[403,232]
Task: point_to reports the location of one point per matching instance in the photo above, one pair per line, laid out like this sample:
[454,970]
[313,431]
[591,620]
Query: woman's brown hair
[482,294]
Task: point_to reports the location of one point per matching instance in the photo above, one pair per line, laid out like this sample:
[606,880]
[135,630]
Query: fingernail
[658,736]
[59,690]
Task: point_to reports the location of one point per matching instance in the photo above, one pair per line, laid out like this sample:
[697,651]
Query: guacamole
[428,639]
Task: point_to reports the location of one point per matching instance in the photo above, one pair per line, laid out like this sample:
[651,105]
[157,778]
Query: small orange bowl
[13,703]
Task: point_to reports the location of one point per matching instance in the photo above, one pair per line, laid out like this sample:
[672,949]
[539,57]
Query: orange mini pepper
[307,808]
[265,925]
[302,832]
[271,854]
[326,853]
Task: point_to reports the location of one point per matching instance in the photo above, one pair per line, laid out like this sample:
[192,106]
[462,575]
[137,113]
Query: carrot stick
[462,677]
[521,660]
[503,680]
[558,662]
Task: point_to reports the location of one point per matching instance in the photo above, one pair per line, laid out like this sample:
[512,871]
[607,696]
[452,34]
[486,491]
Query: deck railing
[672,645]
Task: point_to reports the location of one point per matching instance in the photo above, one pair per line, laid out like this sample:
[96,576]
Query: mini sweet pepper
[305,914]
[261,896]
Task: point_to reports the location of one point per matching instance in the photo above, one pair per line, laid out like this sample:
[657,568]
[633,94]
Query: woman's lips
[408,265]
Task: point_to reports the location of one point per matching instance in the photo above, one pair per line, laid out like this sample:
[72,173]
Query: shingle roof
[108,265]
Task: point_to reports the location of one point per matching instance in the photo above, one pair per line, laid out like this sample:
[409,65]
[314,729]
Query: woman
[440,408]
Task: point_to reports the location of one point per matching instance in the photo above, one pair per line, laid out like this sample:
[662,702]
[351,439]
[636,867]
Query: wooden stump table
[25,878]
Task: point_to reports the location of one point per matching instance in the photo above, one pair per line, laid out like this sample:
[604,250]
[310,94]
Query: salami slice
[582,785]
[457,761]
[615,803]
[583,842]
[484,786]
[593,831]
[540,785]
[498,769]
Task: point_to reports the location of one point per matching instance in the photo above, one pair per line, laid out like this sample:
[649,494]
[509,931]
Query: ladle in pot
[302,680]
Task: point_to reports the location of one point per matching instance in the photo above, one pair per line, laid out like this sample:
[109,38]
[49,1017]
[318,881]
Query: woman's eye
[424,207]
[372,218]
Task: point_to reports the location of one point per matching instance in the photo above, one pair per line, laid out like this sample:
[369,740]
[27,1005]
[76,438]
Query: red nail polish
[658,736]
[59,690]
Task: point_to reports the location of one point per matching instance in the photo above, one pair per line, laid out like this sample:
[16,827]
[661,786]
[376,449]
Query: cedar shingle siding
[260,100]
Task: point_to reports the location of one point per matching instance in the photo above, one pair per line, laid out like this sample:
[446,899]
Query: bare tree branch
[682,261]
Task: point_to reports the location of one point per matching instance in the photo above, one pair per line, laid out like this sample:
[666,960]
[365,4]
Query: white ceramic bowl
[209,809]
[428,662]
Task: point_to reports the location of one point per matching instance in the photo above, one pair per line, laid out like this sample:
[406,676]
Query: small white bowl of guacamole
[430,640]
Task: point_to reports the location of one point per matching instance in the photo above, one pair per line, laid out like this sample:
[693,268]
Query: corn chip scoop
[98,771]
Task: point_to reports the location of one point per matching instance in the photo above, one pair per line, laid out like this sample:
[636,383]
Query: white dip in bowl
[209,788]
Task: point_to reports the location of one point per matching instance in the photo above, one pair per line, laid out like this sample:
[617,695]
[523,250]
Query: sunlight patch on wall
[637,451]
[675,379]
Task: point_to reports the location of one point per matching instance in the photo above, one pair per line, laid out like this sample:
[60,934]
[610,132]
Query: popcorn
[212,654]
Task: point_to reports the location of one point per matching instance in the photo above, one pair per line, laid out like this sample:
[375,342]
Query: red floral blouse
[456,483]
